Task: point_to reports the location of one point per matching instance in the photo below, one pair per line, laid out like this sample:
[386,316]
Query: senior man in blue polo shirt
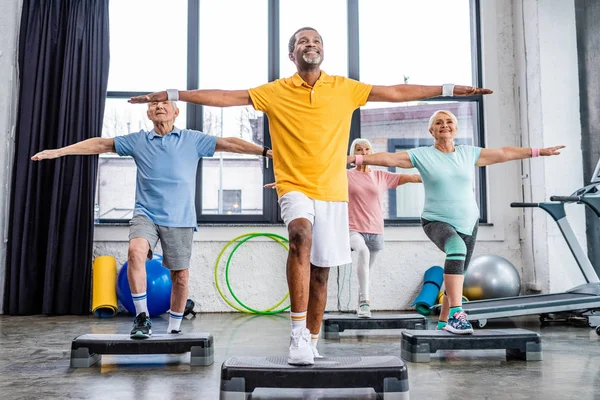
[166,160]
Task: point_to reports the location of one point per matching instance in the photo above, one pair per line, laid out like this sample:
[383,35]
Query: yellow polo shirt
[310,128]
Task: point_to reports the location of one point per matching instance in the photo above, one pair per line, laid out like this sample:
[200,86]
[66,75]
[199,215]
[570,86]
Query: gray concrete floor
[34,361]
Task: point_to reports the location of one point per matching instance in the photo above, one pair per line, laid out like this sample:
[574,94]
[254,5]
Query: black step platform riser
[418,345]
[241,376]
[332,325]
[87,350]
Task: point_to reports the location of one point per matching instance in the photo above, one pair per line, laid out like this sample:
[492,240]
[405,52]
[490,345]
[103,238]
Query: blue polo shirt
[166,173]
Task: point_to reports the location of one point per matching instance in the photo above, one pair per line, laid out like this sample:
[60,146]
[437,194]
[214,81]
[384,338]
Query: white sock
[139,301]
[314,339]
[298,319]
[174,321]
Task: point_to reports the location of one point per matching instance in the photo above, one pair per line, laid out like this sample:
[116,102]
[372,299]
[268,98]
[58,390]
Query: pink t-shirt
[365,191]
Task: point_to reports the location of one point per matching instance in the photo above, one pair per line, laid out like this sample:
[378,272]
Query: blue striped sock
[139,301]
[175,319]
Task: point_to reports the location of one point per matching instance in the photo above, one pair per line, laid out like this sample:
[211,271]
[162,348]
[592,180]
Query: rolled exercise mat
[104,290]
[432,282]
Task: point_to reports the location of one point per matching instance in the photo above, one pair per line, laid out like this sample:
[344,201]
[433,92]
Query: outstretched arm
[236,145]
[85,147]
[495,156]
[409,178]
[401,160]
[399,93]
[214,98]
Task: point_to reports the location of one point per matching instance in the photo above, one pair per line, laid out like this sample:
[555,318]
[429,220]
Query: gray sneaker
[364,310]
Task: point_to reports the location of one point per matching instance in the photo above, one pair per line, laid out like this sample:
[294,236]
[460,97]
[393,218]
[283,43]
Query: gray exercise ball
[490,277]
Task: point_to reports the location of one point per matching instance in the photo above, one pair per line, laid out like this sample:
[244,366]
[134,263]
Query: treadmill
[581,303]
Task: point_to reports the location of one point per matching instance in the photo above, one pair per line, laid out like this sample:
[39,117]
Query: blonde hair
[356,142]
[435,116]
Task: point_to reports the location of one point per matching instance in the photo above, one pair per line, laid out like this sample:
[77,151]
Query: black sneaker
[175,331]
[142,327]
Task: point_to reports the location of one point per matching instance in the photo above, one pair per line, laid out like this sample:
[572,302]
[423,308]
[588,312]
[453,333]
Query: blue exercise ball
[491,277]
[158,287]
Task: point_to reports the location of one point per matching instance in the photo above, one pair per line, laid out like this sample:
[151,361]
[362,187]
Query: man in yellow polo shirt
[309,121]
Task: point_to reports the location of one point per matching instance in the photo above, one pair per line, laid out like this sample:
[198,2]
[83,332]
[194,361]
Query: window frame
[478,123]
[194,119]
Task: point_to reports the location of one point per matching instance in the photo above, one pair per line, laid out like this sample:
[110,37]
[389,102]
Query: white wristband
[447,89]
[172,94]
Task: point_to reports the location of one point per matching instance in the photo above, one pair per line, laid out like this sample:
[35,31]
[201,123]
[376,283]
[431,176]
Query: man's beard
[311,60]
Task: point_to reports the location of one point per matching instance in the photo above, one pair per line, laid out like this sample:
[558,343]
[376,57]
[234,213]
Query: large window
[235,60]
[419,42]
[232,44]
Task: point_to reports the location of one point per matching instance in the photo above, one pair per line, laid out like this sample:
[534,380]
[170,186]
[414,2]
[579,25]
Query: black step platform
[334,324]
[519,343]
[86,350]
[387,375]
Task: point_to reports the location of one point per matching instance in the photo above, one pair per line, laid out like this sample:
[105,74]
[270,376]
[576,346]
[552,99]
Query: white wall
[548,94]
[9,28]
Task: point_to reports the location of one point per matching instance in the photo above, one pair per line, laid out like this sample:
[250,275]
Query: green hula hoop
[281,240]
[269,311]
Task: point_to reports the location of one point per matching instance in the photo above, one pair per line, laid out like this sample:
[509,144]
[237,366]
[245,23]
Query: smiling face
[443,126]
[307,51]
[162,111]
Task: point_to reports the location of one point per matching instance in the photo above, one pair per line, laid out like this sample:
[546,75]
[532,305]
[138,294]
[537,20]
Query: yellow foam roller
[104,289]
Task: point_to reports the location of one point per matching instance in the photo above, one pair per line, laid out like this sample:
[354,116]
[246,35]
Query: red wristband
[358,160]
[535,152]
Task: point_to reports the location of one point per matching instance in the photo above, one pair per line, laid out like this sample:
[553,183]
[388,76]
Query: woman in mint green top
[450,213]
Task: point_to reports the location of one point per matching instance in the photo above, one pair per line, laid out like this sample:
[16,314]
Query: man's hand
[46,155]
[270,153]
[270,185]
[470,91]
[149,98]
[551,151]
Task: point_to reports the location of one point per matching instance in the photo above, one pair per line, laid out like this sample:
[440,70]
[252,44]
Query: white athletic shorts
[330,232]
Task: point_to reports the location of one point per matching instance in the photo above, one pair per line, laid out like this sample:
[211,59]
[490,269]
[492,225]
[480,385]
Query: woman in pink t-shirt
[366,188]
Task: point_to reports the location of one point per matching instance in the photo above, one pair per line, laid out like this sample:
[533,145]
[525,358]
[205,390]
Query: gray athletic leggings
[457,246]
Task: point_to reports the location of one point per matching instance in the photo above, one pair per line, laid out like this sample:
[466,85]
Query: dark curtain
[63,64]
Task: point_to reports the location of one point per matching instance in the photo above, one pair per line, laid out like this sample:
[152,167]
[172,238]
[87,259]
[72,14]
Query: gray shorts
[176,243]
[374,241]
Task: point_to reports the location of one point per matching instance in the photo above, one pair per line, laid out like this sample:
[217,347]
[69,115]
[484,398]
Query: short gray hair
[358,141]
[292,41]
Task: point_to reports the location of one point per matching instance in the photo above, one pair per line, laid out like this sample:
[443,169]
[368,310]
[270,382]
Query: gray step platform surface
[334,324]
[417,346]
[387,375]
[86,350]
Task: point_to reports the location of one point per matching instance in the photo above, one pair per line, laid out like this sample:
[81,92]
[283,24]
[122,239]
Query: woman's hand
[551,151]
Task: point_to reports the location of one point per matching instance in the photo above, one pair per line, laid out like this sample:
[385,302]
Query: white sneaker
[316,352]
[301,352]
[364,310]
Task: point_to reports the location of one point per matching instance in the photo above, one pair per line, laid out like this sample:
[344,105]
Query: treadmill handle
[566,199]
[524,205]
